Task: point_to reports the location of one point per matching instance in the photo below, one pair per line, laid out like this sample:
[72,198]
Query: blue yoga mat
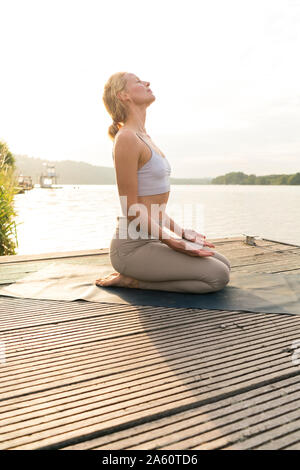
[249,292]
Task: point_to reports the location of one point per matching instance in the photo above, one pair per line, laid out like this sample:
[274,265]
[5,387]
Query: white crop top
[154,176]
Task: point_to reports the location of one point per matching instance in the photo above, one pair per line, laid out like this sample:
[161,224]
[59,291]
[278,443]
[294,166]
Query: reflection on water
[83,217]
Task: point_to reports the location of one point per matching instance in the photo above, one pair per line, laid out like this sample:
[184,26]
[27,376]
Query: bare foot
[117,279]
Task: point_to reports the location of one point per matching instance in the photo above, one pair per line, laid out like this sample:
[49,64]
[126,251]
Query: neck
[136,120]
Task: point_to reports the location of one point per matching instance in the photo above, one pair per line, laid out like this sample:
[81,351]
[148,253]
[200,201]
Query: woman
[155,260]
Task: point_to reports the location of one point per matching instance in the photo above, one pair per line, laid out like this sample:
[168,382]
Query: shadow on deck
[90,375]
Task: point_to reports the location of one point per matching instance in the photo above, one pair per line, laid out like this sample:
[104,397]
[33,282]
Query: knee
[116,262]
[222,278]
[228,264]
[225,261]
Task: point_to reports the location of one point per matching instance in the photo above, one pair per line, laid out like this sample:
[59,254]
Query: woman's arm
[126,164]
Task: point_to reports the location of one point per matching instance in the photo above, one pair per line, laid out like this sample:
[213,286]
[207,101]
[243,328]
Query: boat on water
[49,176]
[24,183]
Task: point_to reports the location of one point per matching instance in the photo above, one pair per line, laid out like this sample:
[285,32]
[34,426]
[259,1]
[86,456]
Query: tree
[294,179]
[8,185]
[6,157]
[251,179]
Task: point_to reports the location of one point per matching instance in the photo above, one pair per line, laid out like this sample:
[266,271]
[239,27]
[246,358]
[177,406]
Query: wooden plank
[162,381]
[133,346]
[71,254]
[55,365]
[285,425]
[206,423]
[85,372]
[115,312]
[281,242]
[260,246]
[254,253]
[256,425]
[295,446]
[80,253]
[58,335]
[208,321]
[51,255]
[266,265]
[213,363]
[31,266]
[232,241]
[239,253]
[244,255]
[100,419]
[270,267]
[18,313]
[12,272]
[270,259]
[281,437]
[82,424]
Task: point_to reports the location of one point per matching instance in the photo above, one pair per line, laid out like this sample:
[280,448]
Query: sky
[225,74]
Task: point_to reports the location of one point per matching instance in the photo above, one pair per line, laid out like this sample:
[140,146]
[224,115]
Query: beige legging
[159,267]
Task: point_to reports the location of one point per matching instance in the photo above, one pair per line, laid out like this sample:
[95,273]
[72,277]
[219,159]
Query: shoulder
[126,142]
[126,149]
[126,137]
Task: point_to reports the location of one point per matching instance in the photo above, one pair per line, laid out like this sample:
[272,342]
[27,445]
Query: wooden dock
[89,375]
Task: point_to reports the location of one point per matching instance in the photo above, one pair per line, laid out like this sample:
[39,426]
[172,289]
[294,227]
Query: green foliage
[242,178]
[294,179]
[8,184]
[6,157]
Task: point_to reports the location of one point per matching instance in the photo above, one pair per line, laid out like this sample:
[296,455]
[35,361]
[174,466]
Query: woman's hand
[187,248]
[193,236]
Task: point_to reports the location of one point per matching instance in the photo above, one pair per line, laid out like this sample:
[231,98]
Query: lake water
[84,217]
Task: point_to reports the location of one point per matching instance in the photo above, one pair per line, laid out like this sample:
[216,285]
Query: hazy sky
[225,73]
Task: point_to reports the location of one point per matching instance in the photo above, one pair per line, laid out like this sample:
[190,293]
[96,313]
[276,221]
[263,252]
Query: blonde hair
[114,106]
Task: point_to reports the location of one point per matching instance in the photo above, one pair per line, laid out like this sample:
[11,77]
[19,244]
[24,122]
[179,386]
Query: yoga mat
[249,292]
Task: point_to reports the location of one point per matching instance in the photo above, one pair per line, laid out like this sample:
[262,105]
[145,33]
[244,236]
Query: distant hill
[69,172]
[241,178]
[72,172]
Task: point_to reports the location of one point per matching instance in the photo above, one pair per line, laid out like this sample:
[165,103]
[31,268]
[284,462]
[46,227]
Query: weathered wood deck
[85,375]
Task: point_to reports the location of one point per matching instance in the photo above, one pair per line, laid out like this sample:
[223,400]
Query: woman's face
[138,90]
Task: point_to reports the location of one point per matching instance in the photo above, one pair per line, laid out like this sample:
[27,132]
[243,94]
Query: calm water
[83,217]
